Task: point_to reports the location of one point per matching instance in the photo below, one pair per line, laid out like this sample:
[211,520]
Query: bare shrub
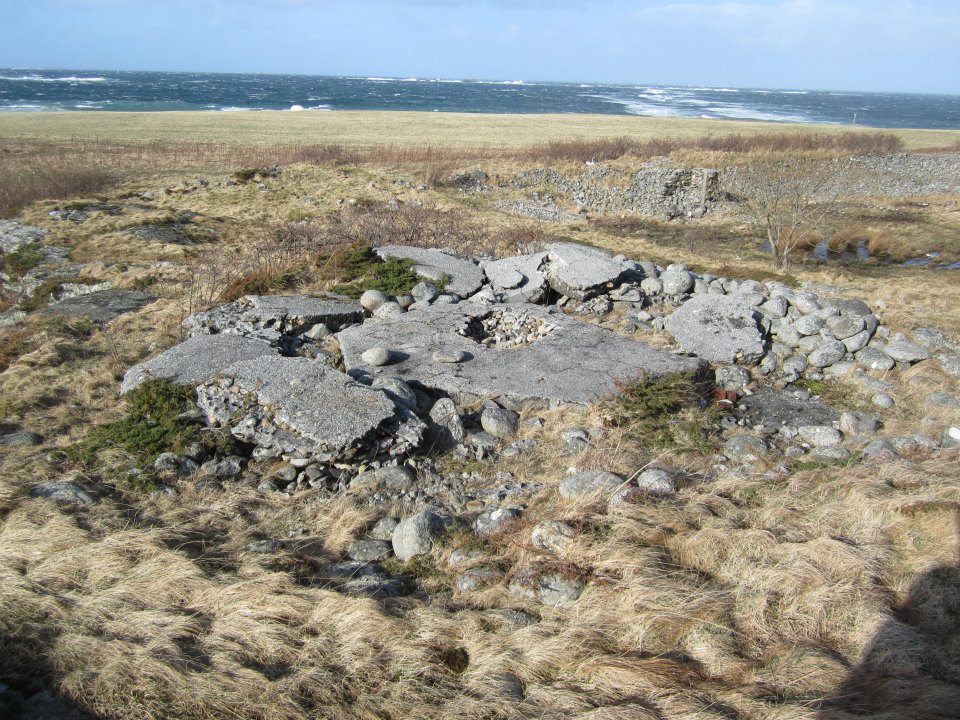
[408,224]
[787,199]
[20,186]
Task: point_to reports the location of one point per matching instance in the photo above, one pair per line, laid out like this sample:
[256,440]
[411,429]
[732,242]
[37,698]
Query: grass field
[366,129]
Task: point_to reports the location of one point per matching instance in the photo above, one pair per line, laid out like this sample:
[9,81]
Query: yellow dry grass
[367,129]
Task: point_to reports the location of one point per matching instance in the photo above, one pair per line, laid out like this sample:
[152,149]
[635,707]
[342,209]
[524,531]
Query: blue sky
[843,44]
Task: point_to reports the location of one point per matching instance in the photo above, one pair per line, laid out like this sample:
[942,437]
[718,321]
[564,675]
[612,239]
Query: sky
[892,45]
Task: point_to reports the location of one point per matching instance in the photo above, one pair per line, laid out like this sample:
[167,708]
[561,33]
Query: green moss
[666,412]
[24,258]
[364,270]
[154,423]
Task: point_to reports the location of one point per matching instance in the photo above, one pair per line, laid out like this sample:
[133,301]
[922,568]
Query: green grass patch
[22,260]
[666,412]
[363,269]
[154,423]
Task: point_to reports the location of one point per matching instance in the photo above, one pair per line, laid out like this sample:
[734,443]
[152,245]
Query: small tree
[787,198]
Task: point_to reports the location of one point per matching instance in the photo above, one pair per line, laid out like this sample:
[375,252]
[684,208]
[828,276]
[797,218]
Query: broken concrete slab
[269,316]
[463,278]
[575,362]
[519,279]
[102,306]
[718,328]
[301,408]
[196,360]
[580,271]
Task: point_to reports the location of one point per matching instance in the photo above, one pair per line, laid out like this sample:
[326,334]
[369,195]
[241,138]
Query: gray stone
[879,450]
[424,292]
[905,351]
[476,578]
[227,468]
[872,359]
[445,428]
[571,362]
[371,300]
[175,464]
[500,422]
[721,329]
[575,440]
[557,589]
[884,401]
[301,408]
[950,438]
[805,302]
[396,477]
[580,272]
[166,233]
[14,235]
[809,325]
[858,423]
[64,493]
[788,335]
[845,326]
[369,550]
[655,481]
[405,301]
[491,522]
[589,483]
[519,279]
[856,342]
[829,352]
[415,535]
[676,280]
[829,454]
[450,356]
[930,338]
[731,378]
[552,536]
[820,435]
[389,309]
[383,529]
[651,286]
[102,306]
[196,360]
[376,356]
[950,362]
[21,438]
[463,278]
[745,448]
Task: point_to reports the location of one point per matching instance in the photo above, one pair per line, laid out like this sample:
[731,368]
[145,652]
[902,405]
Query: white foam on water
[41,78]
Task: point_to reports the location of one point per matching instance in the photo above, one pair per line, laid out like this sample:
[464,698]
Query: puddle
[930,260]
[822,252]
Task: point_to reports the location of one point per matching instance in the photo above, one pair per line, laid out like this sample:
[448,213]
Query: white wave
[742,113]
[231,108]
[26,107]
[41,78]
[793,92]
[321,108]
[297,108]
[634,107]
[378,79]
[441,80]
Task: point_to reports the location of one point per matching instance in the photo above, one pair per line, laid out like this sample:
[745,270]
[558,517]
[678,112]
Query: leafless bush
[408,224]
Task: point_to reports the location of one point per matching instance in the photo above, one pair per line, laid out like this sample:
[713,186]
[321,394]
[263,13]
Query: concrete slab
[283,314]
[718,328]
[519,279]
[574,362]
[580,271]
[196,360]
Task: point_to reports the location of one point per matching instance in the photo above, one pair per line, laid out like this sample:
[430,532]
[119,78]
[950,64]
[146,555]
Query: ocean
[84,91]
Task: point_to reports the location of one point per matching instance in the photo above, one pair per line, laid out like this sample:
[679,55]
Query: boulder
[370,300]
[491,522]
[828,353]
[21,438]
[589,483]
[858,423]
[655,481]
[445,428]
[721,329]
[64,493]
[500,422]
[552,536]
[746,449]
[906,351]
[820,435]
[415,535]
[369,550]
